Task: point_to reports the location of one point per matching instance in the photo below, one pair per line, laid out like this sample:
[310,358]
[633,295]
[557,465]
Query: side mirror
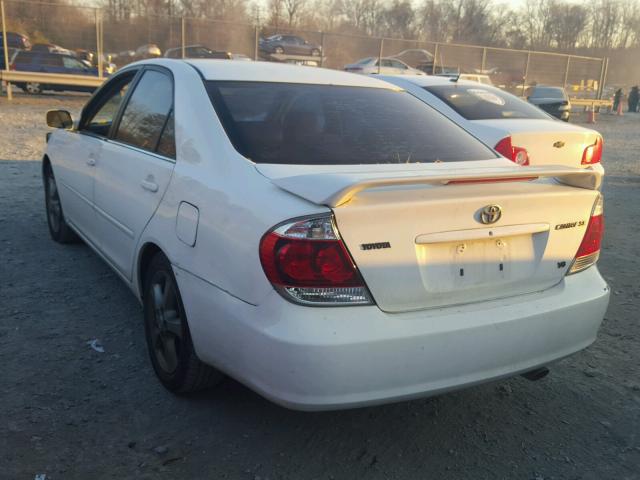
[59,119]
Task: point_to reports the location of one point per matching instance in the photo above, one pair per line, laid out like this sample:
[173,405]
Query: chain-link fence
[105,43]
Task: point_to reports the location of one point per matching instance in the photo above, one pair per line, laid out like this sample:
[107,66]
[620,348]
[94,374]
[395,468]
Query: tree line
[561,25]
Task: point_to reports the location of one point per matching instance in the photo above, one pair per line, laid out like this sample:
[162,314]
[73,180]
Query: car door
[135,167]
[78,151]
[301,47]
[294,45]
[51,63]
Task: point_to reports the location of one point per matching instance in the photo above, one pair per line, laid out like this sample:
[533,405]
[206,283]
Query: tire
[59,230]
[278,50]
[315,52]
[33,88]
[167,333]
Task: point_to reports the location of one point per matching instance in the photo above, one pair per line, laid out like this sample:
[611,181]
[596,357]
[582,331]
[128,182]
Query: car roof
[282,73]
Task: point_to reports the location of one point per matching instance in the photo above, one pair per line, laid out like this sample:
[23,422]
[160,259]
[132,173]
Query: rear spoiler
[335,189]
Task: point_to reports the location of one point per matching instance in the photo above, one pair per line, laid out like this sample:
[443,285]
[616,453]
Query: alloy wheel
[54,209]
[34,88]
[166,325]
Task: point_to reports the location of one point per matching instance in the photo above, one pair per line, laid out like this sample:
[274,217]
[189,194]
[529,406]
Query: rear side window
[476,102]
[334,125]
[51,60]
[547,92]
[167,143]
[147,110]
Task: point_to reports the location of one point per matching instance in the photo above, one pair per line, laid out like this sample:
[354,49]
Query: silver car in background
[385,66]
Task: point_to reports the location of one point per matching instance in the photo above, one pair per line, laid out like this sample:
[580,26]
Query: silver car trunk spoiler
[335,189]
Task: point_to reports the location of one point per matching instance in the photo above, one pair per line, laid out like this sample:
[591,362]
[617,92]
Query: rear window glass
[334,125]
[476,102]
[547,92]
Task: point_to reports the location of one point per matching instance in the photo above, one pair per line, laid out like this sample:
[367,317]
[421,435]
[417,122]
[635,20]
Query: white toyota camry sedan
[515,128]
[325,238]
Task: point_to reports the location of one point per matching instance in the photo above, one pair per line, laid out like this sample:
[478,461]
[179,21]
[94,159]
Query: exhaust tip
[537,374]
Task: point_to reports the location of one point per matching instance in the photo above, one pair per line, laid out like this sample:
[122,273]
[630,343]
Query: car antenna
[455,78]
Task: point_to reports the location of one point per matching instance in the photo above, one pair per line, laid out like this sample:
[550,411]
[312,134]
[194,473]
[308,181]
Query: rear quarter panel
[236,204]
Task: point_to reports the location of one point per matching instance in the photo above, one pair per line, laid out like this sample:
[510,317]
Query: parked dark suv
[289,44]
[15,40]
[51,63]
[553,100]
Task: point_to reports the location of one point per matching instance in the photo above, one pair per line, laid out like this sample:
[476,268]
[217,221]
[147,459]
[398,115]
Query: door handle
[151,186]
[91,161]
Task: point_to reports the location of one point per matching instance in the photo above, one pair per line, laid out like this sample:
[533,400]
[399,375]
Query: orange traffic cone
[591,115]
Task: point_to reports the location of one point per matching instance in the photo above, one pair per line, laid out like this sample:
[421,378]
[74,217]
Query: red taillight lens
[592,237]
[589,250]
[308,263]
[517,155]
[593,153]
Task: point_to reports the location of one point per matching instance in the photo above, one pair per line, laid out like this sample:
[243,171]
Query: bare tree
[537,19]
[606,16]
[293,9]
[399,19]
[567,24]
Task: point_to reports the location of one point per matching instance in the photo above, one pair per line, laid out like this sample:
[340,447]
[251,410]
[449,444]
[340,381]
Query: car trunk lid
[547,142]
[419,239]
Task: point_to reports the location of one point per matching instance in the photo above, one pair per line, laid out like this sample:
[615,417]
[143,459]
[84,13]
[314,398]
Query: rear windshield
[476,102]
[547,92]
[334,125]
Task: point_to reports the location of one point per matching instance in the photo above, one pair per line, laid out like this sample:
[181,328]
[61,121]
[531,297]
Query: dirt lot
[71,412]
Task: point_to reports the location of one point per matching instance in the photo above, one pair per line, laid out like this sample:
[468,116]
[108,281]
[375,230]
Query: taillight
[589,250]
[593,153]
[307,262]
[517,155]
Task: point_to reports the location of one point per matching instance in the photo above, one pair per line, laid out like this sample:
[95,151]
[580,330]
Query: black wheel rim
[54,209]
[165,326]
[33,87]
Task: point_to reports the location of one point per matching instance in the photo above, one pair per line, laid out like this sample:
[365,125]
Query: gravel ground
[70,412]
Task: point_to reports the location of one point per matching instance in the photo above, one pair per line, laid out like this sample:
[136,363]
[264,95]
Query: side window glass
[71,62]
[100,121]
[52,60]
[167,143]
[146,112]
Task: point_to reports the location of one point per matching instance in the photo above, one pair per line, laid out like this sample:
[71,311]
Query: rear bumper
[328,358]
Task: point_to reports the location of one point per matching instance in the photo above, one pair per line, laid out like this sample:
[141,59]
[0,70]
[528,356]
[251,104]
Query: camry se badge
[562,226]
[490,214]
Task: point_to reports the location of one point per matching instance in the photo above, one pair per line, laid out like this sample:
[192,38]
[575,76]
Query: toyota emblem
[490,214]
